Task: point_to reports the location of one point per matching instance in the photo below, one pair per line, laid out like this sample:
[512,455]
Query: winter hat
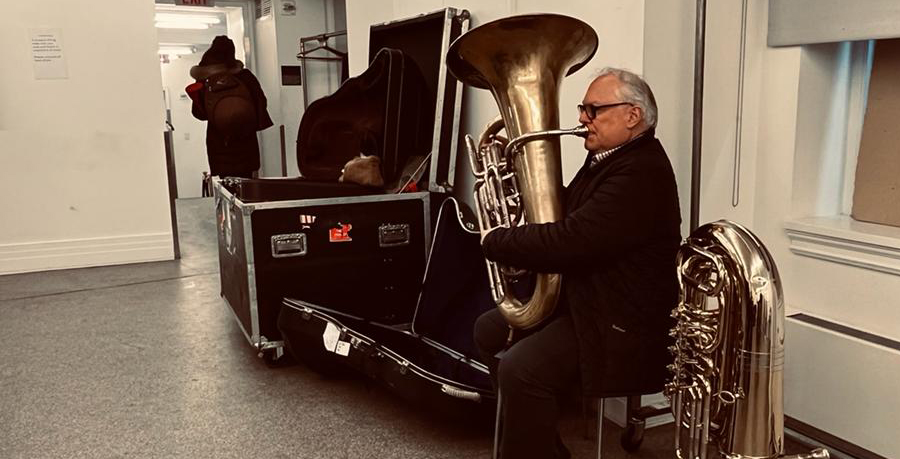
[218,58]
[220,52]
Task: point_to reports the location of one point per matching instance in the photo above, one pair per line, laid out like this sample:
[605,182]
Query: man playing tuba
[615,248]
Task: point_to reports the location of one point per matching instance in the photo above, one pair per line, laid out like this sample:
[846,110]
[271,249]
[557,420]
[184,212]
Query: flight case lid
[425,39]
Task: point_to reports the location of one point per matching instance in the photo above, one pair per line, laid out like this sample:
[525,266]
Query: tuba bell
[522,61]
[727,385]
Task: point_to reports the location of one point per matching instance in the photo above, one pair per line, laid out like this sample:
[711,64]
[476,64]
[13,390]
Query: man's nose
[583,118]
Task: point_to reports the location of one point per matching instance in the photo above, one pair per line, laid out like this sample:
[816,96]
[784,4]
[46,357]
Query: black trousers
[540,367]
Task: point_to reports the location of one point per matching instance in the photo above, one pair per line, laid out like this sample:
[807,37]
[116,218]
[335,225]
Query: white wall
[310,20]
[84,171]
[791,150]
[614,21]
[278,42]
[324,76]
[669,71]
[189,137]
[269,76]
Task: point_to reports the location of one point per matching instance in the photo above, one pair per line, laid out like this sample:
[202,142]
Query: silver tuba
[727,387]
[522,61]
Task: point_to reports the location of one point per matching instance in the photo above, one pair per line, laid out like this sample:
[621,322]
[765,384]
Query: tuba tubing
[522,61]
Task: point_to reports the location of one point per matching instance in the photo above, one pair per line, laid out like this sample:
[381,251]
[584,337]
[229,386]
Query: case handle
[289,245]
[460,393]
[393,235]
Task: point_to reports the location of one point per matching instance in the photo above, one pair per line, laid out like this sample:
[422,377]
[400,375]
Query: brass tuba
[522,61]
[727,387]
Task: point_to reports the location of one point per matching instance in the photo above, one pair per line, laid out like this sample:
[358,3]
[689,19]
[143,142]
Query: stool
[631,438]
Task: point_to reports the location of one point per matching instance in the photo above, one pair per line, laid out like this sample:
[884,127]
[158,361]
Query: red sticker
[341,234]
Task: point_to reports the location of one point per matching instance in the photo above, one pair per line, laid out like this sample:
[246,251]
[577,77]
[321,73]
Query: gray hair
[634,90]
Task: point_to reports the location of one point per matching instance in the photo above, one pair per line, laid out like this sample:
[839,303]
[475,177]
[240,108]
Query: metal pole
[283,153]
[697,139]
[496,453]
[173,181]
[600,411]
[303,80]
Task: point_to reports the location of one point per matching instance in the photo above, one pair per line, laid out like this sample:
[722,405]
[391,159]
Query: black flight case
[431,361]
[343,246]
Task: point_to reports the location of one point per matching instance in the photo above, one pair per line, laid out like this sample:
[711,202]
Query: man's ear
[635,115]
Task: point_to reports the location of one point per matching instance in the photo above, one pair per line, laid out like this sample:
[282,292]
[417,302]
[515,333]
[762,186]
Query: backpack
[230,107]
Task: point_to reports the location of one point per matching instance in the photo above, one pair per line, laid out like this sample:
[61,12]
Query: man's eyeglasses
[592,110]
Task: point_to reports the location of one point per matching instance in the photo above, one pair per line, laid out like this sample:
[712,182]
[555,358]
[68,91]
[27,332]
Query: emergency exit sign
[194,2]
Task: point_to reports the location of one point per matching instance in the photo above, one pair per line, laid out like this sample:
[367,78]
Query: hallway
[146,361]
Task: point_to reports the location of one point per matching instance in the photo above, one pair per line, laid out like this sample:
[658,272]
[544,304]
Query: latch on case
[289,245]
[392,235]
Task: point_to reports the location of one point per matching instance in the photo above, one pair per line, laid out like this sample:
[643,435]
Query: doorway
[184,33]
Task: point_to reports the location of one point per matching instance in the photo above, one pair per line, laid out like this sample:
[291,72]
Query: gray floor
[144,360]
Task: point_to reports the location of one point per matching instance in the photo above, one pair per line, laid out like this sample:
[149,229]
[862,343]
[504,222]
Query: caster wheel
[276,358]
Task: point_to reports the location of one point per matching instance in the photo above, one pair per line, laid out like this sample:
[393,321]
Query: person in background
[230,99]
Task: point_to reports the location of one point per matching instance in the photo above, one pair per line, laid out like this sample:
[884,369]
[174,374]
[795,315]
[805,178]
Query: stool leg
[634,428]
[600,428]
[496,454]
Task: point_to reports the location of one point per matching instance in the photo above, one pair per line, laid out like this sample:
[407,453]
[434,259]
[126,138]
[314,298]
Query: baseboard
[81,253]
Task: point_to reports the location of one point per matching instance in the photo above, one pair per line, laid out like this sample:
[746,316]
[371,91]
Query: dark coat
[234,156]
[616,251]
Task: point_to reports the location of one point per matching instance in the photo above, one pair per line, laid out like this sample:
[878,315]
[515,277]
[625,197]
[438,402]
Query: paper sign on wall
[47,54]
[288,8]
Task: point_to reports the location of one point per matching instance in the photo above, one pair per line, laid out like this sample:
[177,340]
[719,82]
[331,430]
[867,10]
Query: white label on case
[330,336]
[343,348]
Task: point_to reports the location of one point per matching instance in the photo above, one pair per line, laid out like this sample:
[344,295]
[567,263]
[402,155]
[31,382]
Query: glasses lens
[588,110]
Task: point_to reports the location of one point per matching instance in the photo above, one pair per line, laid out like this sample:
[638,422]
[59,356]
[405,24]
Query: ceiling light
[176,50]
[171,17]
[182,25]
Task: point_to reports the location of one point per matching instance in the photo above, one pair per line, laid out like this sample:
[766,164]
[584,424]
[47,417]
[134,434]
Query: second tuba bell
[522,61]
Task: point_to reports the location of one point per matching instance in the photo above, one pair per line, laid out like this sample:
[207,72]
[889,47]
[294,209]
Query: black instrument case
[432,360]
